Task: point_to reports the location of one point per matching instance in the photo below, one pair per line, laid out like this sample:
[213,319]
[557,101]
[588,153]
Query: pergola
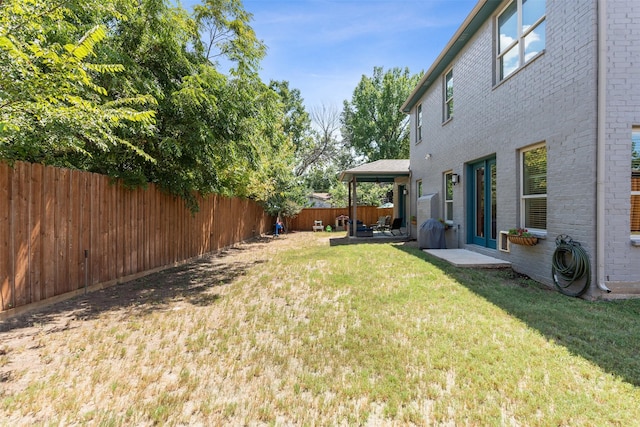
[378,171]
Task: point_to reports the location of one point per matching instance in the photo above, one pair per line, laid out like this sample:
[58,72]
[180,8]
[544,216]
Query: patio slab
[467,259]
[377,237]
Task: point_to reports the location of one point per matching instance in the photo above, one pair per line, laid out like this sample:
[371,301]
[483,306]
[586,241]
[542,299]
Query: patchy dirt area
[22,336]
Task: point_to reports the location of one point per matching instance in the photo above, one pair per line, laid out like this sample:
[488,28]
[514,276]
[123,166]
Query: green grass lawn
[360,335]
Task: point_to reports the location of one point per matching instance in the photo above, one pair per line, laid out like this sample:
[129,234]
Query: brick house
[530,118]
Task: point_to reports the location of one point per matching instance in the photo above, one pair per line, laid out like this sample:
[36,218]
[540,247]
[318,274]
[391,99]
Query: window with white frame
[419,123]
[448,95]
[521,35]
[534,188]
[418,189]
[448,197]
[635,182]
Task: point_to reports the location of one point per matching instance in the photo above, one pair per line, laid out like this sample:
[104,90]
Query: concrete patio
[467,259]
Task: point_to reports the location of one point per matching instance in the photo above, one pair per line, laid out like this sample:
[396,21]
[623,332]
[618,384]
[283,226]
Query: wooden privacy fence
[304,221]
[61,228]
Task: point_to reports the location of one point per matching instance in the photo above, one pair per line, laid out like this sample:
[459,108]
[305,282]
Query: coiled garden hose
[569,267]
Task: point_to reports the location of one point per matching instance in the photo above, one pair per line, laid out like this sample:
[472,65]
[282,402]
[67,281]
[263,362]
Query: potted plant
[413,219]
[447,226]
[521,236]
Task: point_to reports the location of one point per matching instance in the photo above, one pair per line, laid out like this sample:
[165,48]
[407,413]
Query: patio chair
[395,225]
[384,222]
[317,225]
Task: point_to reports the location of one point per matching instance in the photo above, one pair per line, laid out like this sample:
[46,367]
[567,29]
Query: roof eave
[465,32]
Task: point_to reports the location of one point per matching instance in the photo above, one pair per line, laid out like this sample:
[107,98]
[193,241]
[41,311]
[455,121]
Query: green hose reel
[570,267]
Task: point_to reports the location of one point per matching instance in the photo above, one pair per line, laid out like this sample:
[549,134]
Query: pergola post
[354,209]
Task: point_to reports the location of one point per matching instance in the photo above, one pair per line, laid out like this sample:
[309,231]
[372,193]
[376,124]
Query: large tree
[372,122]
[135,89]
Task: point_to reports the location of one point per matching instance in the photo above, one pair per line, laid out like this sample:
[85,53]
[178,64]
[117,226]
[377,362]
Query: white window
[448,197]
[418,189]
[521,35]
[635,183]
[533,207]
[448,95]
[419,124]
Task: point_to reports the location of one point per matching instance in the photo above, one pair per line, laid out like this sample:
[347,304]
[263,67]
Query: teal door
[481,217]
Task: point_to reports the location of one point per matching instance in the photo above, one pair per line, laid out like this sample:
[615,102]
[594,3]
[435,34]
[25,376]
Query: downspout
[601,143]
[410,198]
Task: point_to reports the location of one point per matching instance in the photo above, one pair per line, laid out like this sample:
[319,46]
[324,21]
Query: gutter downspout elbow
[601,143]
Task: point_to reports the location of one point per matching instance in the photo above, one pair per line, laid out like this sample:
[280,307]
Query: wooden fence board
[62,231]
[20,231]
[127,246]
[6,296]
[35,229]
[140,227]
[114,227]
[47,231]
[170,224]
[96,237]
[144,228]
[121,231]
[153,230]
[157,236]
[165,226]
[135,230]
[75,231]
[208,223]
[84,186]
[103,218]
[105,263]
[133,221]
[180,220]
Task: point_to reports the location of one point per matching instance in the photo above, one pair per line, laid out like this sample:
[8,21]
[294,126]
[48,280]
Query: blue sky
[323,47]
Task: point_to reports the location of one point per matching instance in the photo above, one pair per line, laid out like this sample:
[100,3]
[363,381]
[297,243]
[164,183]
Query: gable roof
[478,16]
[379,171]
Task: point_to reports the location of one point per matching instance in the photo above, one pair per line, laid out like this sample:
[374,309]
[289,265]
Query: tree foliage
[372,122]
[229,35]
[51,106]
[131,88]
[296,125]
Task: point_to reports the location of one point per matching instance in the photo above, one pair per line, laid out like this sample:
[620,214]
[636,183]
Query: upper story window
[635,183]
[448,95]
[534,188]
[521,35]
[419,123]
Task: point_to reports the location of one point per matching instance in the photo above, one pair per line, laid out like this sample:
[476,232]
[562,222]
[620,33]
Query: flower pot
[522,240]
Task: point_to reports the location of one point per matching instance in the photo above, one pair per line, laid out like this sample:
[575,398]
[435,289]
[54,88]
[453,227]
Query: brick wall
[552,99]
[622,262]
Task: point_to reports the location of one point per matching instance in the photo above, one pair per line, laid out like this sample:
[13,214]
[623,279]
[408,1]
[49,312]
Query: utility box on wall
[427,208]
